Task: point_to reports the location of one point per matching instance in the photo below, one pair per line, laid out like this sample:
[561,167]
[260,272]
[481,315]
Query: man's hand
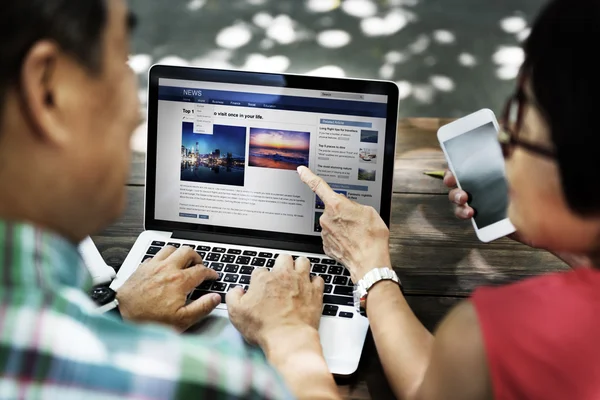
[281,313]
[352,233]
[278,302]
[158,289]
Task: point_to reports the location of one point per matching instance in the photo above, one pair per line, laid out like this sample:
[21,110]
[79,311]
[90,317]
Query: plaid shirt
[54,345]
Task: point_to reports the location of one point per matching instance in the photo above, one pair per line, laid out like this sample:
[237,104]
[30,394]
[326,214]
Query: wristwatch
[362,287]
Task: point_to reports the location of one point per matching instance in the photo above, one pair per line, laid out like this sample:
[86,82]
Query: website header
[373,98]
[274,101]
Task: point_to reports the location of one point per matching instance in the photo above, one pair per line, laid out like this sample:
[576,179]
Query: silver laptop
[223,148]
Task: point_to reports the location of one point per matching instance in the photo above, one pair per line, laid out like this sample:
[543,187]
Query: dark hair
[75,25]
[560,59]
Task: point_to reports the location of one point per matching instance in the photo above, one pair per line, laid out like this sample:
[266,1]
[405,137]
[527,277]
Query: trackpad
[342,341]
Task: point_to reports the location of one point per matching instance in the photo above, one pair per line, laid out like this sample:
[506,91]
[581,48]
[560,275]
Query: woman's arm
[418,365]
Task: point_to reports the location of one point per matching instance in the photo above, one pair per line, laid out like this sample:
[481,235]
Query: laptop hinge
[248,241]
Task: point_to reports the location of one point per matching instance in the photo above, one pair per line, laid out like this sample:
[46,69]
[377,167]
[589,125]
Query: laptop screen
[227,154]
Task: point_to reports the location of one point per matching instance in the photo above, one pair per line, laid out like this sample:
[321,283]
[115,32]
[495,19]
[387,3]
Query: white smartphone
[474,156]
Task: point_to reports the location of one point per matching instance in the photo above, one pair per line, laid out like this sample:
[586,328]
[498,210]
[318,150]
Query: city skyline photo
[219,158]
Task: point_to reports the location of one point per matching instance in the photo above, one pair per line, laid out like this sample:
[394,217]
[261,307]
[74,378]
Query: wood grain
[418,150]
[433,252]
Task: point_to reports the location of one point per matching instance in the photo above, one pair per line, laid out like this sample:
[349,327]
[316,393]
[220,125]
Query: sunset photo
[270,148]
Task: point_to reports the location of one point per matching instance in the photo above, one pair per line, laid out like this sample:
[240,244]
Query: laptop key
[245,279]
[213,257]
[231,278]
[343,290]
[335,270]
[330,310]
[193,246]
[176,245]
[232,268]
[314,260]
[319,268]
[249,253]
[345,314]
[153,250]
[346,272]
[219,286]
[246,270]
[228,258]
[328,289]
[258,262]
[242,260]
[201,254]
[234,285]
[219,249]
[340,280]
[220,278]
[206,285]
[327,278]
[146,258]
[217,266]
[342,301]
[234,251]
[270,262]
[265,254]
[328,261]
[158,243]
[203,248]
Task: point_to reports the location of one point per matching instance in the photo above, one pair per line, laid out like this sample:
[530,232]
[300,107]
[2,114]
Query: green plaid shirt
[54,345]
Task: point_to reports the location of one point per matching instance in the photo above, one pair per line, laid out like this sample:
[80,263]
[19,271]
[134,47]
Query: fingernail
[216,299]
[467,213]
[457,197]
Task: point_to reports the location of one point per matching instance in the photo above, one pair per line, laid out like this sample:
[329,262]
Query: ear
[39,91]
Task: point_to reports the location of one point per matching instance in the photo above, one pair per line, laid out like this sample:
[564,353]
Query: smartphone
[474,156]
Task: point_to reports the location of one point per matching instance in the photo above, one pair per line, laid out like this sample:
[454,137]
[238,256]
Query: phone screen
[477,160]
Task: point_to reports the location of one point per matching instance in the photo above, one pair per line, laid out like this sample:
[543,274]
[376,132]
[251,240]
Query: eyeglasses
[511,123]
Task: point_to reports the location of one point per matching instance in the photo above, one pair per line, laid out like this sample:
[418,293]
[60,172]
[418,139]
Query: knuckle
[314,183]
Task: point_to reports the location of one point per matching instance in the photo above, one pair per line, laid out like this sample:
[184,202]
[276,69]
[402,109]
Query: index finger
[317,185]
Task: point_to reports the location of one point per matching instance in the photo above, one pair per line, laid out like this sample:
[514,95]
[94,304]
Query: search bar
[350,96]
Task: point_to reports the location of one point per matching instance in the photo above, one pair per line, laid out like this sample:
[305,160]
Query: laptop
[223,149]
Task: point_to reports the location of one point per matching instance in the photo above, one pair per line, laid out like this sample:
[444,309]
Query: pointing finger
[317,185]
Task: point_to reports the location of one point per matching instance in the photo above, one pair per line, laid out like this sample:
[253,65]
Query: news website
[227,154]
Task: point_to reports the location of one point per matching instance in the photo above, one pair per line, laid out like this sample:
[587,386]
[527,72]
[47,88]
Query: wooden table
[438,257]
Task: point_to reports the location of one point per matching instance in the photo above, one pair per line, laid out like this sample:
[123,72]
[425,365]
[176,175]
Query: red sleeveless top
[542,336]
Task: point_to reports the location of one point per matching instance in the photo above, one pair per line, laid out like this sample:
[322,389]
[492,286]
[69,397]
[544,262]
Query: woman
[537,338]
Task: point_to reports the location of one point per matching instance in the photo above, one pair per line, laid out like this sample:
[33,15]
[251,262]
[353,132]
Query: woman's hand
[353,234]
[463,211]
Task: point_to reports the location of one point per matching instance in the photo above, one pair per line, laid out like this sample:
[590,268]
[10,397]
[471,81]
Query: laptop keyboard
[235,266]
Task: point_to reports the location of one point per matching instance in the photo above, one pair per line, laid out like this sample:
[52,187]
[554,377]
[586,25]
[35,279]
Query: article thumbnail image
[319,205]
[317,222]
[366,174]
[218,158]
[367,136]
[270,148]
[368,156]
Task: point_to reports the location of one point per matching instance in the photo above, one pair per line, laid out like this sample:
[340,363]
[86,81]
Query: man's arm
[281,313]
[298,356]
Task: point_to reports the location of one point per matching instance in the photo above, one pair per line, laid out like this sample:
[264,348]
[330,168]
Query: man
[68,105]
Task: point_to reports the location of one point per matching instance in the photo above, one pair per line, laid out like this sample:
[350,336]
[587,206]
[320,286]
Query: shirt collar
[30,256]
